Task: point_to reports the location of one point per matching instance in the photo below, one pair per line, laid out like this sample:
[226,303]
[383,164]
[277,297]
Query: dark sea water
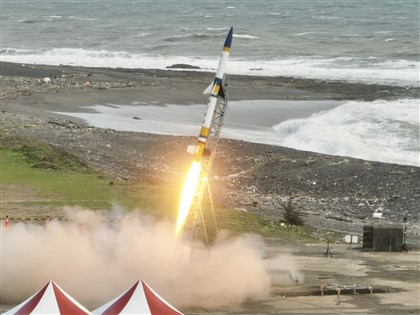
[362,41]
[356,41]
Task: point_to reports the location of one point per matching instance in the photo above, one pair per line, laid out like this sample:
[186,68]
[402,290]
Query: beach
[320,145]
[334,194]
[347,190]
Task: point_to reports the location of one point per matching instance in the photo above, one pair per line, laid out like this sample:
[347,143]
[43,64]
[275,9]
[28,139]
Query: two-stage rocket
[215,89]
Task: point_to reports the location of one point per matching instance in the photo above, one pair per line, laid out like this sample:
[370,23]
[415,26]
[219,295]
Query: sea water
[385,131]
[367,41]
[246,120]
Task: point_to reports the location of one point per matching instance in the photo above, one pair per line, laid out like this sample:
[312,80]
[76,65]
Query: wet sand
[48,90]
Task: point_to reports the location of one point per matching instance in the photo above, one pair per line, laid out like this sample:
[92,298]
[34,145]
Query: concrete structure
[383,237]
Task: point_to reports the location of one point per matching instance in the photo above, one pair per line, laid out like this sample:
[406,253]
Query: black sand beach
[346,192]
[332,193]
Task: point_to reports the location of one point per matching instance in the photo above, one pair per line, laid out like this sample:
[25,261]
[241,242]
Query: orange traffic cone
[7,223]
[47,221]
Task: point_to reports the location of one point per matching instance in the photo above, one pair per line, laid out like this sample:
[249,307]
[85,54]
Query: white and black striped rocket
[215,89]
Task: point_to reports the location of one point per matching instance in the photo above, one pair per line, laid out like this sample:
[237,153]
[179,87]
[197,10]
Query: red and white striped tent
[139,299]
[51,299]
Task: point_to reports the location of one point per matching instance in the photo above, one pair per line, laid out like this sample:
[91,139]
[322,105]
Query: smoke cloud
[96,255]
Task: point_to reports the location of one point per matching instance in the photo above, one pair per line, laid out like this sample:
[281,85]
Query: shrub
[291,214]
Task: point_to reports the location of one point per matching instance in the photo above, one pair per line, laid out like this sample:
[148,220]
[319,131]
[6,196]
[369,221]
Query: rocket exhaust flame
[187,195]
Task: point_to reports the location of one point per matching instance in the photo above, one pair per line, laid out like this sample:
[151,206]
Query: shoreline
[190,84]
[243,117]
[267,175]
[41,90]
[70,93]
[334,195]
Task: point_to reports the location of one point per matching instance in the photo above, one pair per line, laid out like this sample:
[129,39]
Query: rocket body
[215,90]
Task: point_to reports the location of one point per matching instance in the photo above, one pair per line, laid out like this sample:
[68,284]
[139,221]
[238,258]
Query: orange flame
[187,195]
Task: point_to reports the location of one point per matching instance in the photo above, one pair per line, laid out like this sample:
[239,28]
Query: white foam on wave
[392,72]
[52,17]
[91,58]
[246,36]
[371,70]
[384,131]
[216,28]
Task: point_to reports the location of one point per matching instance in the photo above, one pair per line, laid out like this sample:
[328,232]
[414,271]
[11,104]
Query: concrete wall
[383,238]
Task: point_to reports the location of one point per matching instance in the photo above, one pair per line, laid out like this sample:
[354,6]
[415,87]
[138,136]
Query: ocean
[372,42]
[361,41]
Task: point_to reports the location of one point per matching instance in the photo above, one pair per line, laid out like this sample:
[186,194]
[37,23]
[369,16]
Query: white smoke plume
[96,255]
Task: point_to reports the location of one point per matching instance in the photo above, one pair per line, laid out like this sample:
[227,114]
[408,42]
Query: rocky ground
[332,193]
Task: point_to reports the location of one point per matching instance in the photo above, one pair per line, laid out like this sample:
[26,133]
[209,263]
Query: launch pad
[206,163]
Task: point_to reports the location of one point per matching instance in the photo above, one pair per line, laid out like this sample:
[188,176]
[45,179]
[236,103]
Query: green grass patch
[50,178]
[238,222]
[160,200]
[52,187]
[46,176]
[81,187]
[39,155]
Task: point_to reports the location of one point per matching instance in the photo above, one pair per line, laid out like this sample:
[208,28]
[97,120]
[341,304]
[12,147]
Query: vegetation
[291,214]
[49,178]
[39,175]
[241,222]
[39,155]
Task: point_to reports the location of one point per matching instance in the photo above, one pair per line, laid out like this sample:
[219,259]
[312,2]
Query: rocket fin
[208,89]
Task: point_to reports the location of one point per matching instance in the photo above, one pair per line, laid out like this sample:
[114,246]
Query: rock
[320,183]
[310,161]
[182,66]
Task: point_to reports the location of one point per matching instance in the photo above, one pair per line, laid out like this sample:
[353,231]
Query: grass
[56,179]
[52,177]
[238,221]
[38,155]
[55,187]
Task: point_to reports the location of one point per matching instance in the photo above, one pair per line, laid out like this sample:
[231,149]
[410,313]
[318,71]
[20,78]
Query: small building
[383,237]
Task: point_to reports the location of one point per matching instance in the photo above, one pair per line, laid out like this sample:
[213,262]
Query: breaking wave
[390,72]
[384,131]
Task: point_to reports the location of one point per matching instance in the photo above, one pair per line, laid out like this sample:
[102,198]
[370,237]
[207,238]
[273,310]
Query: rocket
[215,89]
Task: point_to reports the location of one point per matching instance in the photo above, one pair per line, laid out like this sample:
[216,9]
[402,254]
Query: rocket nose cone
[228,41]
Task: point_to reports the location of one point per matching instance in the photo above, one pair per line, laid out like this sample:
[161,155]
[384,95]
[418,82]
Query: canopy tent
[51,299]
[139,299]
